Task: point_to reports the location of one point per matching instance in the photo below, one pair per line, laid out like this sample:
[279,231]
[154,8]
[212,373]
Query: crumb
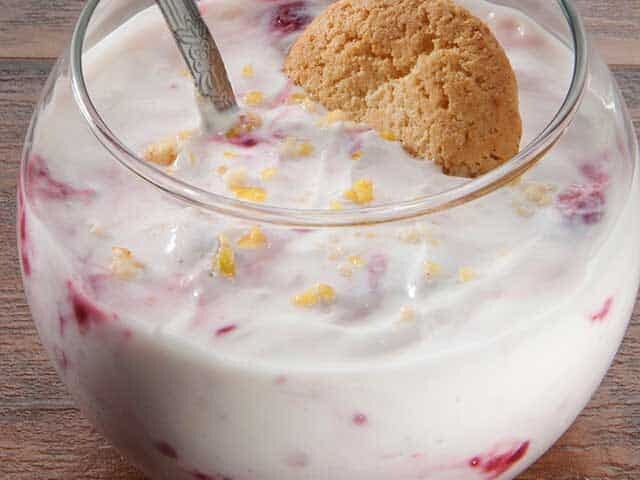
[253,239]
[345,270]
[332,117]
[247,123]
[254,98]
[388,135]
[466,274]
[356,260]
[522,210]
[361,192]
[335,205]
[297,98]
[432,269]
[320,294]
[236,177]
[407,314]
[247,71]
[123,263]
[224,262]
[415,235]
[411,235]
[162,153]
[336,252]
[538,193]
[252,194]
[295,148]
[357,155]
[268,173]
[185,135]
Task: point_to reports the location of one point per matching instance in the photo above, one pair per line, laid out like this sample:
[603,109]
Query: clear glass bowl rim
[318,218]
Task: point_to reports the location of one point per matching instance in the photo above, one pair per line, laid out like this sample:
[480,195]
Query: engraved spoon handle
[199,51]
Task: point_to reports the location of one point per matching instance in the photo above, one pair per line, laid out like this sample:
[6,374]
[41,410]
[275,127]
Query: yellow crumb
[185,73]
[345,270]
[326,293]
[293,147]
[229,154]
[388,135]
[253,239]
[247,71]
[123,263]
[224,262]
[247,122]
[410,235]
[163,153]
[236,177]
[466,274]
[333,117]
[320,294]
[297,98]
[252,194]
[336,252]
[357,155]
[185,135]
[254,98]
[268,173]
[222,169]
[356,260]
[538,193]
[192,159]
[417,234]
[407,314]
[432,269]
[523,210]
[306,149]
[361,192]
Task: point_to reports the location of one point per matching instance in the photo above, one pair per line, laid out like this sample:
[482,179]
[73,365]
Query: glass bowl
[450,334]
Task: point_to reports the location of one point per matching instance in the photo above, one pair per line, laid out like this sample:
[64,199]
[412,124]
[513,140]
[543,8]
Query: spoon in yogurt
[214,94]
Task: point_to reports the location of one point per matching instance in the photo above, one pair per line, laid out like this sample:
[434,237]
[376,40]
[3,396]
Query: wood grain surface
[42,434]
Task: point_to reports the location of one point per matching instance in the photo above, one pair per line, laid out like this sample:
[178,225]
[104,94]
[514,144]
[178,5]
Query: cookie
[427,71]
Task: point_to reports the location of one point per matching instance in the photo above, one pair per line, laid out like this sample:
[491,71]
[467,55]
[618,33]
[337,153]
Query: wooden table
[42,434]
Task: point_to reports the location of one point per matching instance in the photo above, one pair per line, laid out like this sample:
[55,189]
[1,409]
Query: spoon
[215,97]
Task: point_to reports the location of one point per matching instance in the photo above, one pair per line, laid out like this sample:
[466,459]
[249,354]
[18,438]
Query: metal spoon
[200,52]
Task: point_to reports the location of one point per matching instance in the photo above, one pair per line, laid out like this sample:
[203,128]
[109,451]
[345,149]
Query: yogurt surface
[455,346]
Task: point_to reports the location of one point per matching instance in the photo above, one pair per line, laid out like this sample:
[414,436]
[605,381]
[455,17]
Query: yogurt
[456,346]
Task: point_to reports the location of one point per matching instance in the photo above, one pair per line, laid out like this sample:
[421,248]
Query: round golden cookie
[427,71]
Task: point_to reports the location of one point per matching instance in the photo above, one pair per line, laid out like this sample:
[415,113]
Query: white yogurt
[456,347]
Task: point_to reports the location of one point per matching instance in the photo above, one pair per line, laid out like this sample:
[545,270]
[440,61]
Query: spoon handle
[199,51]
